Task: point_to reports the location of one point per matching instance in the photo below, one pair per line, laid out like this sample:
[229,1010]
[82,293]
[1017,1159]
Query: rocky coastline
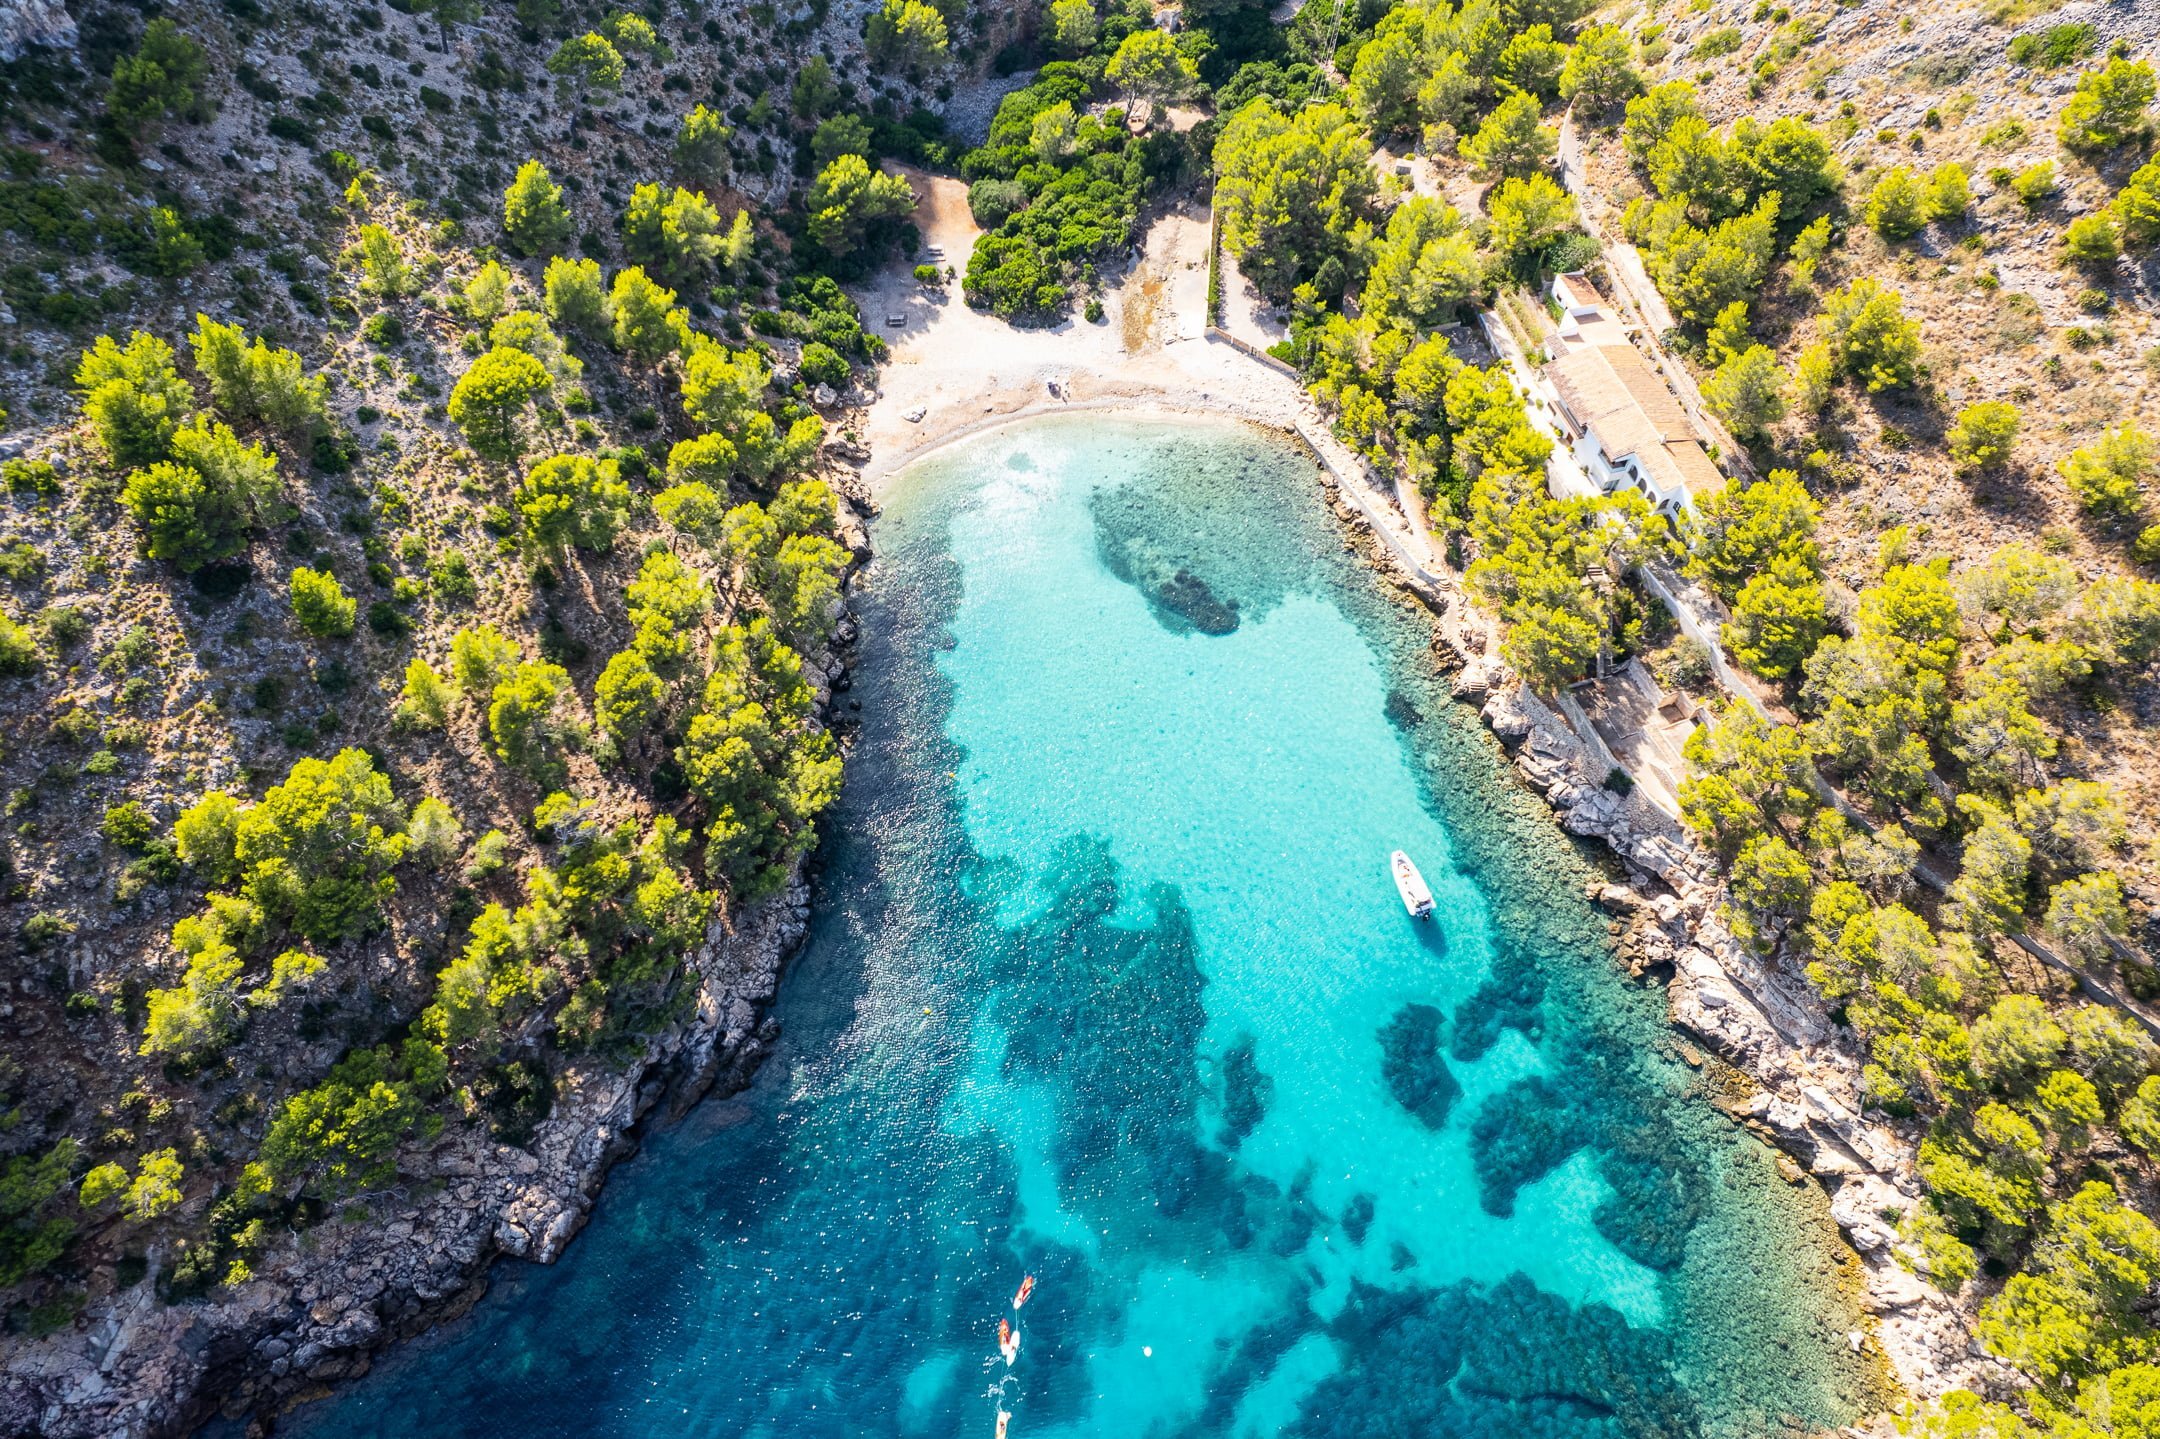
[321,1307]
[320,1310]
[1757,1015]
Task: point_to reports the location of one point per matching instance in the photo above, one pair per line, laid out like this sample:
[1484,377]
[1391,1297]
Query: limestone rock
[35,23]
[1505,717]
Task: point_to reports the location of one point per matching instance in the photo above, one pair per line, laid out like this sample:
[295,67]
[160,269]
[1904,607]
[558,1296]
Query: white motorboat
[1415,896]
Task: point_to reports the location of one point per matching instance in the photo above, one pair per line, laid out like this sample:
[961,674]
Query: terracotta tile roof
[1579,287]
[1611,391]
[1698,473]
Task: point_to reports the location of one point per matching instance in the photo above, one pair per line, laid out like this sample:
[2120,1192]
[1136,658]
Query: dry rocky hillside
[2004,316]
[422,618]
[1907,258]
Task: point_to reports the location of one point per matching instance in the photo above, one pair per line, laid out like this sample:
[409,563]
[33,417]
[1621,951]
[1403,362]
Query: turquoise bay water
[1110,985]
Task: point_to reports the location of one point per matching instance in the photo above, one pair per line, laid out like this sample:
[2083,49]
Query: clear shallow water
[1110,984]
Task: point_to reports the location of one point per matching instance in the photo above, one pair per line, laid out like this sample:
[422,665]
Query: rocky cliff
[318,1312]
[1759,1017]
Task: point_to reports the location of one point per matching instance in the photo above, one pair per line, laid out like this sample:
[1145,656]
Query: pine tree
[534,215]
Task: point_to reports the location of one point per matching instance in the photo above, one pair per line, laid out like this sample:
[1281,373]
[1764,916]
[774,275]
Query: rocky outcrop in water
[1411,1063]
[1759,1016]
[25,24]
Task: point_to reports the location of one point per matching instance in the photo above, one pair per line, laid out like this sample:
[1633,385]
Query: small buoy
[1148,1350]
[926,1009]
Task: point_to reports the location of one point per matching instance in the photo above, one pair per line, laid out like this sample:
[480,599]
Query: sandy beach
[955,370]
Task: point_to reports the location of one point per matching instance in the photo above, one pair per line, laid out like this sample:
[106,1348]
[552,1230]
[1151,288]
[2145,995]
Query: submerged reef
[1411,1062]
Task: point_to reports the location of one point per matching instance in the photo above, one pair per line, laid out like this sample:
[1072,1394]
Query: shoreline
[1756,1020]
[1755,1016]
[878,478]
[324,1309]
[959,374]
[320,1311]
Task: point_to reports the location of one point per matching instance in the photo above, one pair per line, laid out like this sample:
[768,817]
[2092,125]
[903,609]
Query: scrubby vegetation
[416,628]
[1930,824]
[417,543]
[1058,188]
[1925,799]
[1375,281]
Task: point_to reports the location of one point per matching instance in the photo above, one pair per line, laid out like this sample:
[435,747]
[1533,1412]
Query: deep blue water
[1109,984]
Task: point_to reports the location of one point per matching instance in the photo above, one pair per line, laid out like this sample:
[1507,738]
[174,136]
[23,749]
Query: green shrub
[1949,192]
[321,605]
[821,365]
[29,477]
[133,397]
[128,825]
[993,201]
[2137,208]
[1721,41]
[588,59]
[33,1235]
[315,851]
[343,1135]
[426,699]
[18,648]
[1897,206]
[2092,240]
[2109,107]
[383,267]
[574,500]
[534,216]
[848,197]
[2035,183]
[2108,476]
[65,625]
[433,833]
[575,297]
[163,77]
[198,508]
[490,853]
[492,397]
[254,381]
[701,148]
[532,718]
[169,250]
[1983,436]
[2052,48]
[386,619]
[1870,337]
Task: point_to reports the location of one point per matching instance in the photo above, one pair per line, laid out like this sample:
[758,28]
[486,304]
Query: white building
[1624,427]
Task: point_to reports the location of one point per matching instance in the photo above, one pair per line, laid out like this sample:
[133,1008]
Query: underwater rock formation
[1411,1062]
